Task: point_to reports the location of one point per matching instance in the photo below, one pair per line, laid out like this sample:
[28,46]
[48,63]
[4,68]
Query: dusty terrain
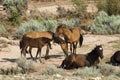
[10,53]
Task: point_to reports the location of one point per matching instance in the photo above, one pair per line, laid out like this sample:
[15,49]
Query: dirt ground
[10,52]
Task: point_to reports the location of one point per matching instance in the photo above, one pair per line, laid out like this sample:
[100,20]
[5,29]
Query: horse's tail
[81,40]
[21,43]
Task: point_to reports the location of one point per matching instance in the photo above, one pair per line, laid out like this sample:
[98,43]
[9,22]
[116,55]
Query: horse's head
[99,51]
[62,43]
[60,29]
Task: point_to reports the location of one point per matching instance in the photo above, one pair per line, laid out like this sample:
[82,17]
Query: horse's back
[76,33]
[78,60]
[116,57]
[81,60]
[37,34]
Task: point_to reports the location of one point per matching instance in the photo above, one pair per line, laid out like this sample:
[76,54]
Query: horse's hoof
[47,57]
[35,60]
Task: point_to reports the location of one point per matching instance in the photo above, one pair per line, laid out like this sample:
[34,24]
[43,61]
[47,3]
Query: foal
[81,60]
[35,35]
[34,43]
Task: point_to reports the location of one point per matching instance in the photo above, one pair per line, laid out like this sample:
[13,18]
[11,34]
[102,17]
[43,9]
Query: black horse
[115,58]
[82,60]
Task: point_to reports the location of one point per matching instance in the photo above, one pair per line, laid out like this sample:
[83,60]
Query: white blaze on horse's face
[100,48]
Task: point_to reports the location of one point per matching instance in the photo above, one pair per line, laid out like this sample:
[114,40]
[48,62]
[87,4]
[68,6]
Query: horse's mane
[58,40]
[92,52]
[93,55]
[71,30]
[50,32]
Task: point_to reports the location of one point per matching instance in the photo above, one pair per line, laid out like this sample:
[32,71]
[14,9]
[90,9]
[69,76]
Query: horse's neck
[67,33]
[92,57]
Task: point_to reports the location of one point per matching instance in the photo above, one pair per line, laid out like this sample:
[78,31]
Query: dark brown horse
[39,43]
[81,60]
[115,58]
[34,43]
[35,35]
[72,36]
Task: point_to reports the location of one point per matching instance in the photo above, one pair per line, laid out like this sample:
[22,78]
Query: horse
[72,36]
[34,35]
[82,60]
[115,58]
[36,42]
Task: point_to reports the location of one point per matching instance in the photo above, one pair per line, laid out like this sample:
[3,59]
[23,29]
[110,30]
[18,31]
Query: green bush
[34,25]
[104,24]
[10,71]
[15,9]
[109,6]
[80,6]
[2,30]
[25,65]
[107,70]
[71,22]
[93,72]
[51,70]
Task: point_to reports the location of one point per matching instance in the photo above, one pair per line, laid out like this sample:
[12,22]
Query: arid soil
[10,51]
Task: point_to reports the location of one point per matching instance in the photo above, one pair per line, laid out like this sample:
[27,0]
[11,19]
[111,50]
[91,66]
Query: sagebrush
[2,30]
[104,24]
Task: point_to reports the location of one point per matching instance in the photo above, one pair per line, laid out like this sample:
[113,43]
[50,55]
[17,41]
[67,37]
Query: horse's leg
[39,51]
[71,47]
[96,63]
[49,44]
[23,51]
[47,52]
[30,49]
[74,47]
[65,49]
[37,54]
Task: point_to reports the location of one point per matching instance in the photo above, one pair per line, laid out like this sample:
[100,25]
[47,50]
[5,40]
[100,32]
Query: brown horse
[81,60]
[115,58]
[62,43]
[34,43]
[35,35]
[39,43]
[72,36]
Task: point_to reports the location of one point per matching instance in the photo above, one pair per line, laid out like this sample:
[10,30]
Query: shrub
[25,65]
[15,9]
[71,22]
[10,71]
[51,70]
[106,69]
[34,25]
[80,6]
[109,6]
[2,30]
[104,24]
[93,72]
